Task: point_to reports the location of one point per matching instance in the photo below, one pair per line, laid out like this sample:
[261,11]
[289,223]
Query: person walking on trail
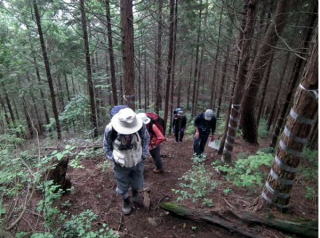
[204,123]
[126,141]
[179,125]
[156,138]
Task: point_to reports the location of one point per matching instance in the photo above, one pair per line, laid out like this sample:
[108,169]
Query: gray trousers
[155,153]
[128,177]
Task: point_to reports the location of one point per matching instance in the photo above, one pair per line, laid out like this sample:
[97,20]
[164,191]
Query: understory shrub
[196,185]
[246,172]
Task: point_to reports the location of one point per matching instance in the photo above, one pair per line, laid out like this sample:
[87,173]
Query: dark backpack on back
[157,120]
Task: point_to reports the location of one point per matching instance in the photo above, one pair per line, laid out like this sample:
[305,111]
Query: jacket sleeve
[159,137]
[107,142]
[213,126]
[197,121]
[184,122]
[145,140]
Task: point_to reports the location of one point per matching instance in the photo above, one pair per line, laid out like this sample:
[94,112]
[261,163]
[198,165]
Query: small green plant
[207,202]
[310,193]
[309,170]
[199,158]
[81,226]
[227,191]
[197,185]
[246,172]
[47,207]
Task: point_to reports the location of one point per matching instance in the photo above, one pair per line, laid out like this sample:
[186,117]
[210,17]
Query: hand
[212,138]
[196,135]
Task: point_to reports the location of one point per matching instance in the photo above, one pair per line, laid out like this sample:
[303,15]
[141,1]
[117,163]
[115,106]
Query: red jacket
[156,137]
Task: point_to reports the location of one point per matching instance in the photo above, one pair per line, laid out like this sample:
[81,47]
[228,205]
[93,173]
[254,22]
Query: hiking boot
[158,171]
[126,207]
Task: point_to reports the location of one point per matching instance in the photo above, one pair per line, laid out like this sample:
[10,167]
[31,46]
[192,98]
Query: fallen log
[301,228]
[213,219]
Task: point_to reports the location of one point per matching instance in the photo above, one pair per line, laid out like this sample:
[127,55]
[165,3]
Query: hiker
[126,141]
[204,123]
[156,138]
[179,125]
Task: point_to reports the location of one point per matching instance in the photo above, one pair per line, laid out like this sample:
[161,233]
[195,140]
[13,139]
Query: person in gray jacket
[126,143]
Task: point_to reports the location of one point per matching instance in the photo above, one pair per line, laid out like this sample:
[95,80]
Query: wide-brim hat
[126,122]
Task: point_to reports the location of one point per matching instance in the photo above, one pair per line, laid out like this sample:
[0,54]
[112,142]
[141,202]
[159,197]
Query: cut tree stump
[200,216]
[300,228]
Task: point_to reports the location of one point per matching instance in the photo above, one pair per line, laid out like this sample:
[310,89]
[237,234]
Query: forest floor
[94,189]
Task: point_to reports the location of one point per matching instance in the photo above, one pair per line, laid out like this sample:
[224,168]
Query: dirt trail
[94,188]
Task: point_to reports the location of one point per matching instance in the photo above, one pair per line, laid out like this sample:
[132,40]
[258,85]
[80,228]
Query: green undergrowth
[308,171]
[196,184]
[23,172]
[246,170]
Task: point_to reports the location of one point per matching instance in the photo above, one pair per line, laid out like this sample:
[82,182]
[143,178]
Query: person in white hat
[126,143]
[204,123]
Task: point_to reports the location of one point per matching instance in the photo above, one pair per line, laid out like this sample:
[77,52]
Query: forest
[66,64]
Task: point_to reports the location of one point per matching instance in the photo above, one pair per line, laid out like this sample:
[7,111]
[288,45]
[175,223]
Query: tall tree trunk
[128,51]
[174,48]
[234,116]
[6,97]
[264,88]
[248,121]
[28,119]
[60,93]
[275,102]
[169,66]
[145,84]
[223,76]
[111,55]
[88,69]
[67,86]
[139,76]
[215,62]
[189,82]
[48,72]
[35,108]
[199,79]
[158,61]
[5,113]
[194,103]
[277,189]
[296,73]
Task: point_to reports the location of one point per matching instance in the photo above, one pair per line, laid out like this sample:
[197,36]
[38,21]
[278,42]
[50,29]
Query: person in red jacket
[156,138]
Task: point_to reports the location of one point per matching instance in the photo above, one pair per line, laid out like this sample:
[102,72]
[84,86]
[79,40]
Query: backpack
[157,120]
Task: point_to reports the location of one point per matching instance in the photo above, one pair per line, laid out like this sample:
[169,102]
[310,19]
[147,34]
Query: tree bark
[223,76]
[250,6]
[215,219]
[88,69]
[111,55]
[215,62]
[277,189]
[169,66]
[128,52]
[248,121]
[47,67]
[196,67]
[275,102]
[174,49]
[264,88]
[158,61]
[296,73]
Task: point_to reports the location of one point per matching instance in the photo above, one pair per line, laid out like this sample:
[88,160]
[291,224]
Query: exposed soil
[94,189]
